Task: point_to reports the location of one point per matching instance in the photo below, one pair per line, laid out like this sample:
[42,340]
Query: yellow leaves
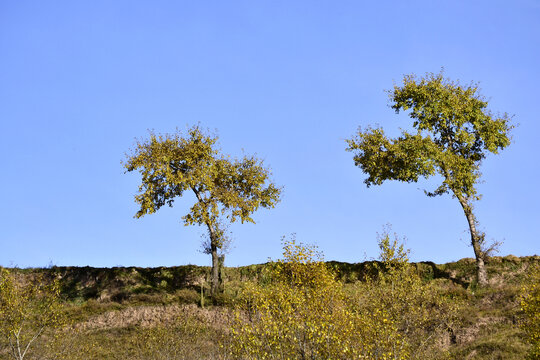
[27,307]
[173,163]
[303,312]
[403,307]
[530,305]
[457,133]
[405,159]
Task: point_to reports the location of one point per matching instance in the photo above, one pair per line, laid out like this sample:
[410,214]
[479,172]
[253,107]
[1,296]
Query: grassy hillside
[154,313]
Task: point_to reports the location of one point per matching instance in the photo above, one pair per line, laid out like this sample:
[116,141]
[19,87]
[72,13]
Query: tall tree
[225,189]
[453,132]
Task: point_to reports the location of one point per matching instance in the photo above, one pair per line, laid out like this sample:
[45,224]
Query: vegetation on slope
[141,313]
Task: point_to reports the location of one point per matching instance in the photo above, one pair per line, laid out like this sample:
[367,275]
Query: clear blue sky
[288,80]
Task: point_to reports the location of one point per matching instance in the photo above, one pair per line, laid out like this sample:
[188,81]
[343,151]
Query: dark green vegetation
[157,313]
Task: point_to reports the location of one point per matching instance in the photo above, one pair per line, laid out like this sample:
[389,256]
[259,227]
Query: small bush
[187,296]
[154,298]
[222,299]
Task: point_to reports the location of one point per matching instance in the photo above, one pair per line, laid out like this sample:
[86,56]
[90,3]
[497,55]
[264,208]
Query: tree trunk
[215,261]
[214,289]
[475,242]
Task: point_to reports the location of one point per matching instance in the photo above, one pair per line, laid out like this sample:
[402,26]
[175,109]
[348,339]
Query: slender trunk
[475,241]
[479,254]
[213,250]
[215,261]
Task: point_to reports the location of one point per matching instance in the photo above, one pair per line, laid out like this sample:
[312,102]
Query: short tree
[28,307]
[453,133]
[225,189]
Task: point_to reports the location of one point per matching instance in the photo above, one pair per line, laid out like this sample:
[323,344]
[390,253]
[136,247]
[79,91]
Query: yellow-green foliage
[171,164]
[453,132]
[420,314]
[530,305]
[28,307]
[303,313]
